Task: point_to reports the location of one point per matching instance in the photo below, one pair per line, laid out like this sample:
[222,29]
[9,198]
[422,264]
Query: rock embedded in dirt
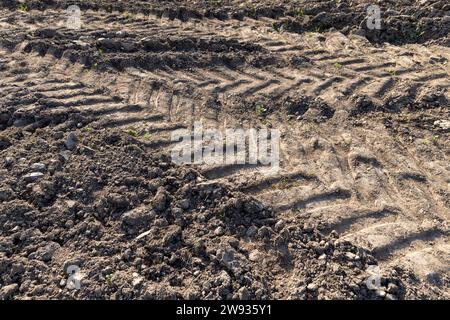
[184,204]
[219,231]
[312,287]
[137,219]
[38,167]
[71,141]
[9,161]
[33,176]
[49,251]
[251,231]
[6,194]
[160,199]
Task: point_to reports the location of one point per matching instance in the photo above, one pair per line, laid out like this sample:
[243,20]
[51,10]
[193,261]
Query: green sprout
[299,12]
[253,12]
[147,136]
[132,132]
[23,7]
[274,26]
[337,65]
[128,15]
[108,279]
[259,109]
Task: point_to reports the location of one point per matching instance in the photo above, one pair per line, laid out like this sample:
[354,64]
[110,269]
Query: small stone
[137,279]
[64,155]
[219,231]
[38,167]
[177,211]
[160,199]
[184,204]
[226,256]
[49,251]
[6,194]
[350,256]
[9,161]
[252,207]
[32,177]
[71,141]
[138,217]
[58,135]
[127,254]
[312,287]
[251,231]
[323,257]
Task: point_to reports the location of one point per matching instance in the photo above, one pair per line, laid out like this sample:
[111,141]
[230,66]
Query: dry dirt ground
[86,177]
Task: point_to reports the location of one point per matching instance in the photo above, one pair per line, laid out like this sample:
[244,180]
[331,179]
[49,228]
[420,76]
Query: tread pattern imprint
[357,169]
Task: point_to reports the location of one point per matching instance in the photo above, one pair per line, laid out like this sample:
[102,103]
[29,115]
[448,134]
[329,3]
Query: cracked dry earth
[86,177]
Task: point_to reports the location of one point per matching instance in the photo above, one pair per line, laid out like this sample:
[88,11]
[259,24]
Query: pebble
[127,254]
[177,211]
[9,161]
[350,256]
[49,251]
[160,199]
[32,177]
[312,287]
[58,135]
[71,141]
[219,231]
[251,231]
[64,155]
[38,167]
[184,204]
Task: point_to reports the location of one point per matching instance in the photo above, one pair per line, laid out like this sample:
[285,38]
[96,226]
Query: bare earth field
[87,179]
